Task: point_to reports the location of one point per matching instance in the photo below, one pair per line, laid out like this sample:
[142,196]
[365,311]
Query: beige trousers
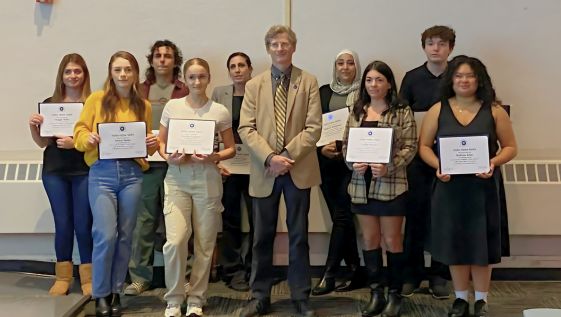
[192,205]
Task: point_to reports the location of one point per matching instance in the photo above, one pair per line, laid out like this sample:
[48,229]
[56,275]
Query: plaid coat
[404,147]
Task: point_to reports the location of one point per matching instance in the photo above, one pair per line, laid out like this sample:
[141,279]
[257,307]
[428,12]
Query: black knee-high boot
[395,271]
[374,263]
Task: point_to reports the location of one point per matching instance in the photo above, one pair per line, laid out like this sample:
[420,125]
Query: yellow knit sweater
[91,115]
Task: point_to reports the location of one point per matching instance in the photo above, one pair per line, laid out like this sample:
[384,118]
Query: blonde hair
[196,61]
[60,88]
[279,29]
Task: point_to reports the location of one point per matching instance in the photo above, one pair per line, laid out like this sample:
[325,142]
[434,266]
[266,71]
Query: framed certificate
[121,140]
[333,126]
[191,136]
[369,145]
[464,154]
[59,118]
[238,164]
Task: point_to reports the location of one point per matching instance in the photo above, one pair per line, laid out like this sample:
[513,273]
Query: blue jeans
[114,190]
[68,196]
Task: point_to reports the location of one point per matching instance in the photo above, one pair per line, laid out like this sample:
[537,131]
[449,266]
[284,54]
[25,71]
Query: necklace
[461,108]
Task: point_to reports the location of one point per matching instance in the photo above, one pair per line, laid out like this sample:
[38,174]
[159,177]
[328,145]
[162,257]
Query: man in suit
[280,122]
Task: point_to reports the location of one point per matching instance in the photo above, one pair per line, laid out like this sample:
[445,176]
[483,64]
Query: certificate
[238,164]
[333,126]
[191,136]
[59,118]
[463,155]
[369,145]
[120,140]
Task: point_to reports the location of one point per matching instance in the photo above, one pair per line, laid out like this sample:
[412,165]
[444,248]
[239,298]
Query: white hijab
[351,90]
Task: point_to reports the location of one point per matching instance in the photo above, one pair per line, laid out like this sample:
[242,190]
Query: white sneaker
[173,310]
[194,310]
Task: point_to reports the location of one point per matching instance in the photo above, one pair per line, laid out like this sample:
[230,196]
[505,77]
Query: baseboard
[499,274]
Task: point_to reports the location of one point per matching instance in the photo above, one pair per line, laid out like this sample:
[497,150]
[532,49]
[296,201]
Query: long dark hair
[485,91]
[392,98]
[111,98]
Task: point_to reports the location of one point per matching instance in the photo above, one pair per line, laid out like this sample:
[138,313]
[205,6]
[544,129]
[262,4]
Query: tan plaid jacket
[403,150]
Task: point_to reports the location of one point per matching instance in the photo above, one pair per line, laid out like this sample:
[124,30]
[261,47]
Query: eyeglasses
[277,45]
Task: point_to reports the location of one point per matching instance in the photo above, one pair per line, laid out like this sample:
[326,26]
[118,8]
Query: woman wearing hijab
[335,176]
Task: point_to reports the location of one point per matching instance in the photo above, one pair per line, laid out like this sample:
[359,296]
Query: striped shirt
[404,147]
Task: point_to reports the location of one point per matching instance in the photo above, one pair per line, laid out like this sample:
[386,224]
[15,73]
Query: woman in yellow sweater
[114,184]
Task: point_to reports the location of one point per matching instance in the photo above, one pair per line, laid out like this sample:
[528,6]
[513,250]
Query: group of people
[277,115]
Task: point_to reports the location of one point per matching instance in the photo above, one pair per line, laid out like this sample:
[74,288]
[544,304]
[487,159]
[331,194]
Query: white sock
[481,295]
[462,294]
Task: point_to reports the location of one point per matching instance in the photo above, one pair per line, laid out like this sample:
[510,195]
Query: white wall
[518,40]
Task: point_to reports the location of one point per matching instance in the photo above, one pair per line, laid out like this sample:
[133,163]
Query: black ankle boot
[325,286]
[116,309]
[393,307]
[103,306]
[376,304]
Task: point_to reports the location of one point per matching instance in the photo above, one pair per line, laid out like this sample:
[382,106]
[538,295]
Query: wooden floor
[507,299]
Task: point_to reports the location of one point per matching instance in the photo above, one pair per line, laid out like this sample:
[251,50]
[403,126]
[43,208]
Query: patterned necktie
[280,113]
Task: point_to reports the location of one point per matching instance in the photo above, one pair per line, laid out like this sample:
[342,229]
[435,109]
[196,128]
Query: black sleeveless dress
[465,212]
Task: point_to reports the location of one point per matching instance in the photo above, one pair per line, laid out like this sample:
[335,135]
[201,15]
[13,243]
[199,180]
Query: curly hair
[177,59]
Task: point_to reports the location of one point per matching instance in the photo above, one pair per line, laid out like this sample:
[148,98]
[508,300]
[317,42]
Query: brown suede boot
[63,272]
[86,278]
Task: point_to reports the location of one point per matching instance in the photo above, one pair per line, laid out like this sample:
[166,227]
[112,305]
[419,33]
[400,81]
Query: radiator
[533,192]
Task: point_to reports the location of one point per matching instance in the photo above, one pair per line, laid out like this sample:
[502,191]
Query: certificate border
[323,114]
[456,136]
[55,103]
[118,158]
[184,119]
[391,146]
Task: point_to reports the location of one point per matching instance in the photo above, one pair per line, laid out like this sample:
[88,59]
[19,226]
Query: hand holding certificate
[156,157]
[333,126]
[369,145]
[59,118]
[190,136]
[464,155]
[119,140]
[239,164]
